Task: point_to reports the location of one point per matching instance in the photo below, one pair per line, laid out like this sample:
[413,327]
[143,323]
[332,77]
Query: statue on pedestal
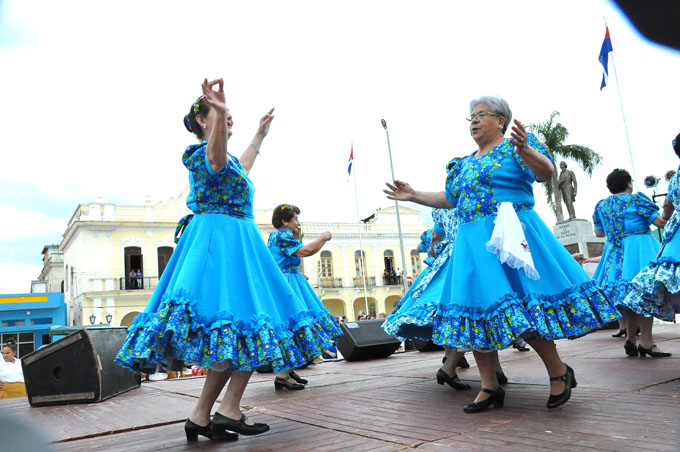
[567,186]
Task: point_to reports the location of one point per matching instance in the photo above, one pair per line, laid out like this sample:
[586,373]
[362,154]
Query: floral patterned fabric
[282,244]
[222,301]
[475,302]
[624,218]
[655,291]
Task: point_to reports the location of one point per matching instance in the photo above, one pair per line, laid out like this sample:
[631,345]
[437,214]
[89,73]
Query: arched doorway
[128,318]
[391,302]
[360,305]
[336,306]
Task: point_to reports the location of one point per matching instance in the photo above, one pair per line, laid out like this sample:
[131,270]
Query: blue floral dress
[282,245]
[484,304]
[222,301]
[625,220]
[413,316]
[656,289]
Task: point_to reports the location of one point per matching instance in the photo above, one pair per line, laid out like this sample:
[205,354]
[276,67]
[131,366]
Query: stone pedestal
[577,236]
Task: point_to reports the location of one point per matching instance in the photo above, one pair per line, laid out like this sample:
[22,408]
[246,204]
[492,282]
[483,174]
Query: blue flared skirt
[655,291]
[475,302]
[223,303]
[614,277]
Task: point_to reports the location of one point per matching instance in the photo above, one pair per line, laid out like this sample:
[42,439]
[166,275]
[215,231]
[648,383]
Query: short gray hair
[497,105]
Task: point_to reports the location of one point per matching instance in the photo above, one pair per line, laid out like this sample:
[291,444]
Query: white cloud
[16,278]
[24,223]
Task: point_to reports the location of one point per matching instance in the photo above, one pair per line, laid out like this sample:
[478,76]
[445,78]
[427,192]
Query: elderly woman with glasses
[508,277]
[656,289]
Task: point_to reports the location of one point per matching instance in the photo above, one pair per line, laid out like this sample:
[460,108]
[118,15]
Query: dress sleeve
[287,243]
[425,240]
[538,147]
[196,160]
[450,178]
[646,208]
[597,222]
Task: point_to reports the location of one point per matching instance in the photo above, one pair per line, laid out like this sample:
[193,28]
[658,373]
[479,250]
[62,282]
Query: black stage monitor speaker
[366,340]
[78,368]
[426,346]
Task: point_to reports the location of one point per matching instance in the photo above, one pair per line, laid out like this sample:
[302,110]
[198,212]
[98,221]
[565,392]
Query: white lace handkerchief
[508,242]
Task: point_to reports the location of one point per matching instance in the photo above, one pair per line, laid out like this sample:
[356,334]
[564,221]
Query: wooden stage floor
[395,404]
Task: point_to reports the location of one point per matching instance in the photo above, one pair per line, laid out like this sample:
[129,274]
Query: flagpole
[396,205]
[625,126]
[362,267]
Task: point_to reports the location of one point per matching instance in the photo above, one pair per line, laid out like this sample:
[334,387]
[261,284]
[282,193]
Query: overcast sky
[94,93]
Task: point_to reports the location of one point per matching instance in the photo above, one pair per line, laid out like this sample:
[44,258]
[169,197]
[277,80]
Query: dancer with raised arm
[222,302]
[288,251]
[508,276]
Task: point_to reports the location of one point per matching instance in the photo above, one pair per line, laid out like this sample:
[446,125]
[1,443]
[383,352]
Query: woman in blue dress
[624,218]
[222,302]
[508,276]
[656,289]
[287,252]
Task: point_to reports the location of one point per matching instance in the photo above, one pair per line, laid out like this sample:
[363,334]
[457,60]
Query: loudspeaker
[366,340]
[426,346]
[78,368]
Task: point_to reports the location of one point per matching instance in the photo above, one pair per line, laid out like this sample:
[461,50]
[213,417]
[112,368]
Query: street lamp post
[93,318]
[109,317]
[396,204]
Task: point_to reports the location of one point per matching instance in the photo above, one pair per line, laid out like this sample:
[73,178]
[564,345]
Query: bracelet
[257,150]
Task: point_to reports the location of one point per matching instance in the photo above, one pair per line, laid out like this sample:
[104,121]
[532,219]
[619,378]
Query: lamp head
[384,124]
[651,181]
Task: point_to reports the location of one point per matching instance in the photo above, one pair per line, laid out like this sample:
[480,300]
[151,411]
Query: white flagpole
[361,249]
[625,126]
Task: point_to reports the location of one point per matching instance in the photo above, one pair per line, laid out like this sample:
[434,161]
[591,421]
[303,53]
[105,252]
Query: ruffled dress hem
[176,333]
[570,314]
[655,290]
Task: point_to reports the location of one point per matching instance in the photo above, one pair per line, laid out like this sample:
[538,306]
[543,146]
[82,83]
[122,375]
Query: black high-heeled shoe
[569,379]
[299,379]
[454,382]
[496,398]
[648,351]
[620,333]
[502,379]
[630,348]
[462,363]
[193,430]
[220,425]
[280,383]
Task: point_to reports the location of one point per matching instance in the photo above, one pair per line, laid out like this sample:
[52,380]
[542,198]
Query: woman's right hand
[215,99]
[399,191]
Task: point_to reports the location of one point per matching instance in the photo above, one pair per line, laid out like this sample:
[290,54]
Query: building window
[388,258]
[133,267]
[45,321]
[164,253]
[359,262]
[24,341]
[415,262]
[326,264]
[12,323]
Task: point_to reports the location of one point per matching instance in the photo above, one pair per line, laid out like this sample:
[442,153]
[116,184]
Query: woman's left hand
[519,137]
[265,123]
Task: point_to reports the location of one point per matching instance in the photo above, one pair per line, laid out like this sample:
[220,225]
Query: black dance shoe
[620,333]
[631,349]
[648,351]
[280,383]
[193,430]
[220,425]
[496,398]
[520,347]
[462,363]
[298,378]
[502,379]
[569,380]
[454,381]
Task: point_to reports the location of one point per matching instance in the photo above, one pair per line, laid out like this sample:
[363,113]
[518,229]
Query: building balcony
[137,283]
[359,281]
[329,283]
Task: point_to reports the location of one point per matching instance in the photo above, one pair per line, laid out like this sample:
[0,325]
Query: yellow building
[114,255]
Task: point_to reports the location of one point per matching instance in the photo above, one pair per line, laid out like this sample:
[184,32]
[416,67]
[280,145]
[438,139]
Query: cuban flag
[351,161]
[604,57]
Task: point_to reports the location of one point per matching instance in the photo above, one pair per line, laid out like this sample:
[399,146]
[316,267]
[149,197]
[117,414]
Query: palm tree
[553,134]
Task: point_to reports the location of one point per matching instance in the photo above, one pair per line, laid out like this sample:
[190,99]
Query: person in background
[11,374]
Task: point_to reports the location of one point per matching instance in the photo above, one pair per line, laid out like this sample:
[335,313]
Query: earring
[205,127]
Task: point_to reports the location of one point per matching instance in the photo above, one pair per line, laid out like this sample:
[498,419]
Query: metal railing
[331,282]
[359,281]
[137,283]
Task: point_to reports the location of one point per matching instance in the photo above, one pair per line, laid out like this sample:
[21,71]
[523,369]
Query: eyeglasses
[481,115]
